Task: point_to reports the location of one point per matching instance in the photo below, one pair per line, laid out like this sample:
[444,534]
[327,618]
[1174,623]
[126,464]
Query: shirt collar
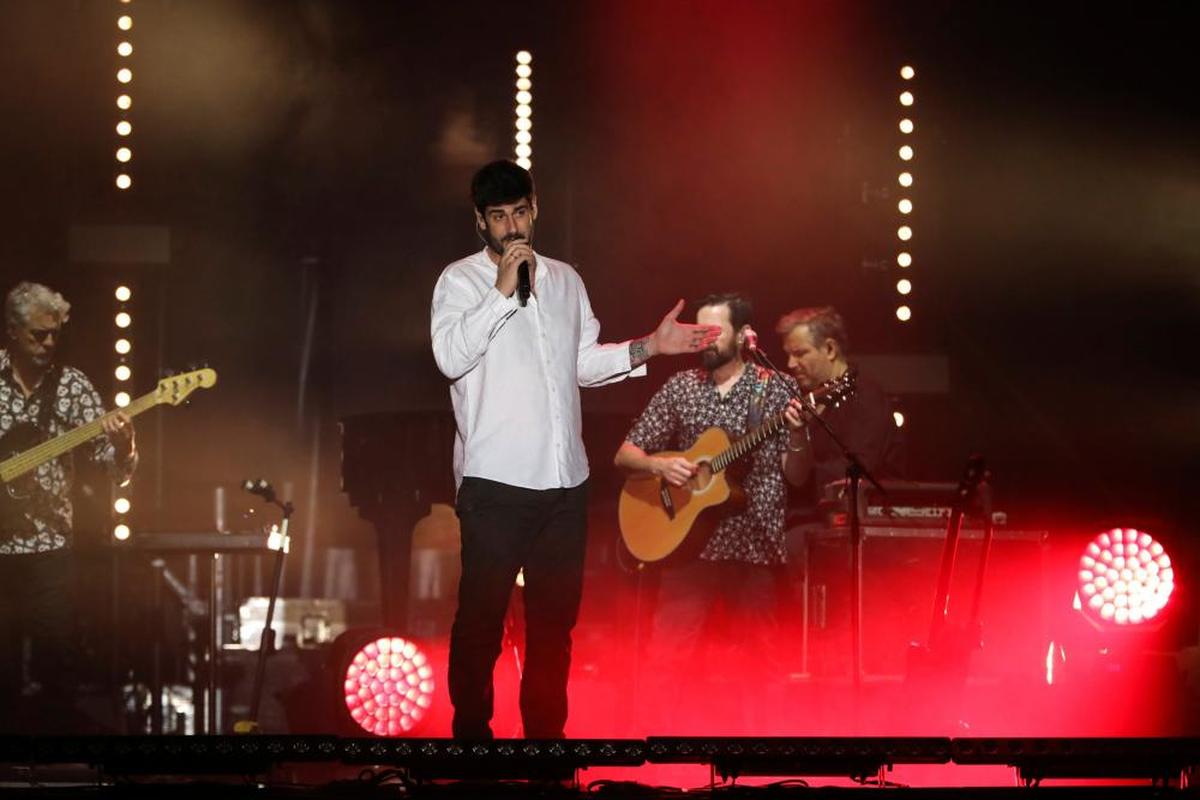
[748,378]
[6,371]
[48,383]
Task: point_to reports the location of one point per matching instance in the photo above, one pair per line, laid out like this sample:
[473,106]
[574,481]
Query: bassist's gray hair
[28,298]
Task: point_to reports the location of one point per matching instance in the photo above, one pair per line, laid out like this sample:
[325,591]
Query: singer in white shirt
[516,363]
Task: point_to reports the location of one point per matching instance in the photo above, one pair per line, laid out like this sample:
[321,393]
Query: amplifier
[905,503]
[900,573]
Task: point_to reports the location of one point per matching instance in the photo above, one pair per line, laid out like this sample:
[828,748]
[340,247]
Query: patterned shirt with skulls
[47,513]
[689,404]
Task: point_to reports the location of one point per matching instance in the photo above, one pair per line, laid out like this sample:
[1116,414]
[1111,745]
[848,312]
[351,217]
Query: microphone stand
[855,472]
[277,541]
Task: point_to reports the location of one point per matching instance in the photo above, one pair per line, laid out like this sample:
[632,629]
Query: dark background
[311,162]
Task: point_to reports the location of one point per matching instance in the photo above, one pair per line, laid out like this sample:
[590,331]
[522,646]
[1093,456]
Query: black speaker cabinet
[900,574]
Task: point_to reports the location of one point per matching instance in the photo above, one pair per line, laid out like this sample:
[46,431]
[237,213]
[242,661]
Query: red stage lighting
[1125,578]
[388,686]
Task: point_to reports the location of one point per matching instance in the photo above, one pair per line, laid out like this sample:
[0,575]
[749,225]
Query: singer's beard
[497,245]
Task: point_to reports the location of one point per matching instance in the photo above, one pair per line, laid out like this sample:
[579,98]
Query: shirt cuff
[499,305]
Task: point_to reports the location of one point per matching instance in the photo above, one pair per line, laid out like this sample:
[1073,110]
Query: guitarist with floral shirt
[39,400]
[739,563]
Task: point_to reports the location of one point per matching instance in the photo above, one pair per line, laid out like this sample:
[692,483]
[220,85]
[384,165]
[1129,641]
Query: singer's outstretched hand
[672,337]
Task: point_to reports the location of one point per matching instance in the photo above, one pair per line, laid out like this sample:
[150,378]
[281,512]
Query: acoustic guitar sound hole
[703,477]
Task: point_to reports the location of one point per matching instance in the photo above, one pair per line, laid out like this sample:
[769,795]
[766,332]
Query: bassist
[38,400]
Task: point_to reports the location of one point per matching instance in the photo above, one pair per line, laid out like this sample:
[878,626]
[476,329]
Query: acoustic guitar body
[653,528]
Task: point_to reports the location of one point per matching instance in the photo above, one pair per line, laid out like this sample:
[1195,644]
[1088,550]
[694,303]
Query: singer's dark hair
[500,182]
[741,310]
[823,322]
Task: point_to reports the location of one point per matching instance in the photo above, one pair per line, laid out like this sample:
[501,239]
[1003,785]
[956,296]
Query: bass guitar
[24,448]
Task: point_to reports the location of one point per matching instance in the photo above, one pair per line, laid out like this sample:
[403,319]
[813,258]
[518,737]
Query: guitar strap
[49,392]
[757,400]
[46,413]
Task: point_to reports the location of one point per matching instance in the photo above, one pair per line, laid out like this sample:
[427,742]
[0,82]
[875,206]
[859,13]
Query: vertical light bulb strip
[523,149]
[904,207]
[124,152]
[122,377]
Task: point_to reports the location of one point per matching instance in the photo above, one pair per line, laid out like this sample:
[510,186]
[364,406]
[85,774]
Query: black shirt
[866,425]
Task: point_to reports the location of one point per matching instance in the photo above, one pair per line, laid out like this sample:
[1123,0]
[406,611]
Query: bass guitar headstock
[176,388]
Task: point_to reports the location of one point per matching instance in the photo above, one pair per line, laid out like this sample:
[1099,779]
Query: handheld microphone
[750,340]
[523,287]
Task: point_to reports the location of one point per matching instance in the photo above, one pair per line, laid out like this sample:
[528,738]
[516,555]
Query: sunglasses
[42,334]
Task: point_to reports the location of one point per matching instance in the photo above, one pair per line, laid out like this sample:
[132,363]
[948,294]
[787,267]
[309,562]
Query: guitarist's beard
[714,358]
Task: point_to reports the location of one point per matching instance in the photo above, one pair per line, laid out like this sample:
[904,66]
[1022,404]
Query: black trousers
[704,667]
[506,529]
[36,592]
[687,597]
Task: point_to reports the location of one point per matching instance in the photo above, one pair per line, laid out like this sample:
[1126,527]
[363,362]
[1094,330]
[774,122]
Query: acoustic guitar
[24,448]
[656,518]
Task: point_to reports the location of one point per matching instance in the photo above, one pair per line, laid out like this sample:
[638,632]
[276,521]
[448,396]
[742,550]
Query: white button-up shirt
[515,372]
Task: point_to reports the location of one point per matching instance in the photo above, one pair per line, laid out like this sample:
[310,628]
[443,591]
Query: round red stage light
[1125,578]
[388,686]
